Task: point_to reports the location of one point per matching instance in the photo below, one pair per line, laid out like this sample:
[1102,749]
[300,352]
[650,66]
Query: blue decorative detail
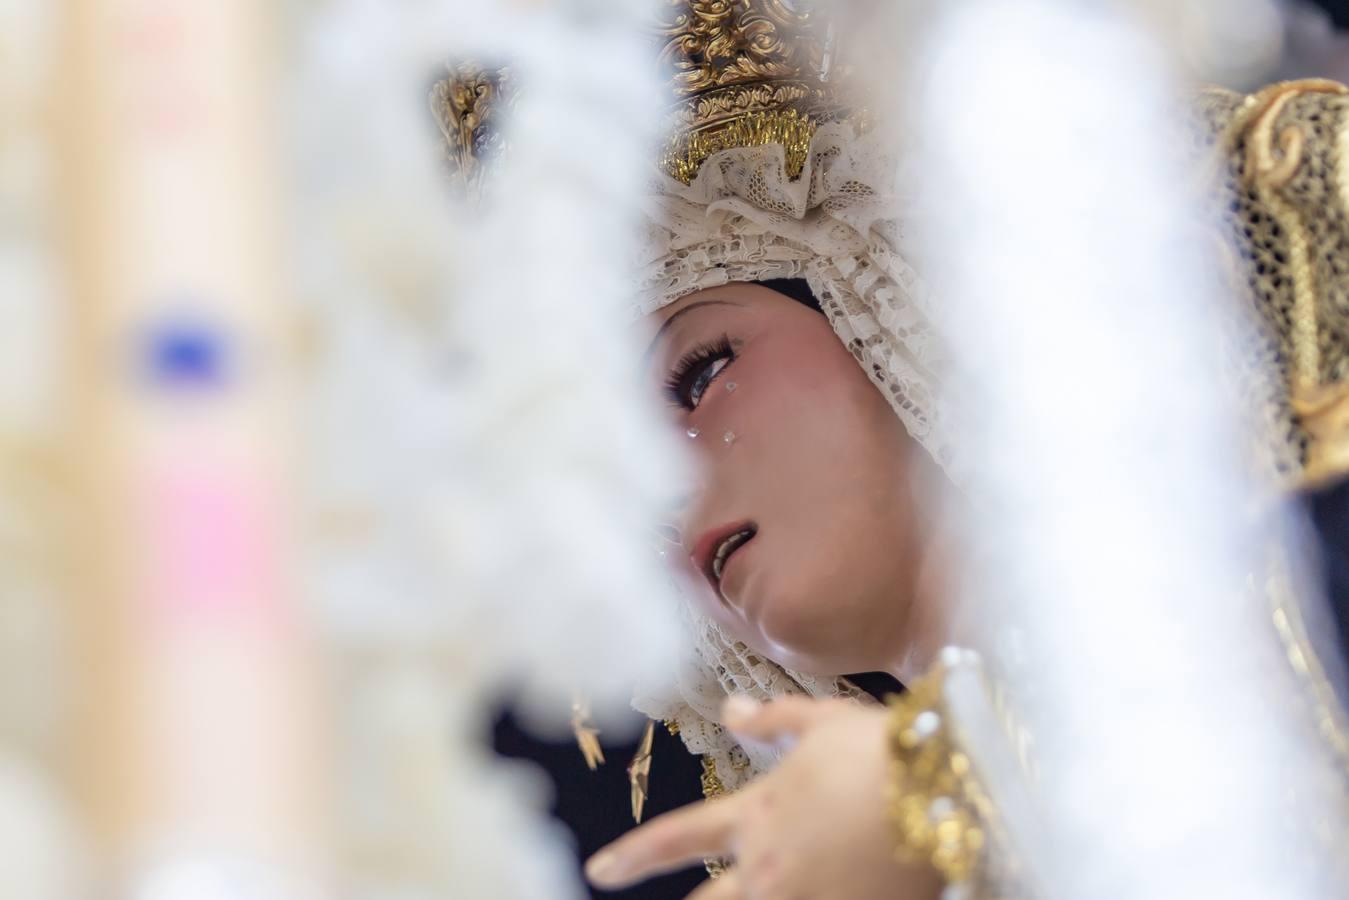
[187,354]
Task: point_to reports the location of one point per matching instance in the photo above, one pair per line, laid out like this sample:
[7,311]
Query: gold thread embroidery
[713,788]
[711,781]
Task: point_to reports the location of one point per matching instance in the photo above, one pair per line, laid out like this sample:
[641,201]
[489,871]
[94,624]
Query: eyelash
[689,370]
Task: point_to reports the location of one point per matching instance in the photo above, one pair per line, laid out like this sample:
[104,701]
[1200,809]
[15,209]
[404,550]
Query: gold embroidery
[712,788]
[711,781]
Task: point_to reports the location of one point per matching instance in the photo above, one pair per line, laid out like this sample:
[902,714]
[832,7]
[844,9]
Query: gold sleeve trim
[935,803]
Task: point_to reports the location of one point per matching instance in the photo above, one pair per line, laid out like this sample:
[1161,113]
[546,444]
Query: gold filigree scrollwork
[469,106]
[714,43]
[743,73]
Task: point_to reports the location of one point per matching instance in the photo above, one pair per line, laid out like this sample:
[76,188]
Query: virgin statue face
[801,532]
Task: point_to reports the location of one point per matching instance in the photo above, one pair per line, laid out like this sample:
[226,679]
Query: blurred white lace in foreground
[479,457]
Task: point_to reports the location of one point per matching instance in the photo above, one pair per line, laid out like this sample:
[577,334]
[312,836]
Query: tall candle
[199,754]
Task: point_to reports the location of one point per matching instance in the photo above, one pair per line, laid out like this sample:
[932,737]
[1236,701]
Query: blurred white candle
[200,750]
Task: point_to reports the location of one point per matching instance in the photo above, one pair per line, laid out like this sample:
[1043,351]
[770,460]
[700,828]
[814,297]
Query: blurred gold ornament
[469,106]
[1324,412]
[587,736]
[639,771]
[738,73]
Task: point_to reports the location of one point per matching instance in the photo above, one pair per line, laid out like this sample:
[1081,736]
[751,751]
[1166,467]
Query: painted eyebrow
[646,357]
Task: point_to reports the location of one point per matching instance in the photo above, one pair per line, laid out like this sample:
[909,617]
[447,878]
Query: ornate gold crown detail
[469,105]
[740,73]
[745,73]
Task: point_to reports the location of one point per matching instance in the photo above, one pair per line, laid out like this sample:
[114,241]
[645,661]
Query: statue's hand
[815,827]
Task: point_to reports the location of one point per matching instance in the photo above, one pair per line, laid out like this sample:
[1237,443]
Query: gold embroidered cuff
[934,802]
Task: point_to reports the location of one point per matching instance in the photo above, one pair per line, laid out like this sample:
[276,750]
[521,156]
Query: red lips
[705,549]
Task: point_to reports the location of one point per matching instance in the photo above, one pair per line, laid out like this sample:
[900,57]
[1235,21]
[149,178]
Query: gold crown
[740,73]
[745,73]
